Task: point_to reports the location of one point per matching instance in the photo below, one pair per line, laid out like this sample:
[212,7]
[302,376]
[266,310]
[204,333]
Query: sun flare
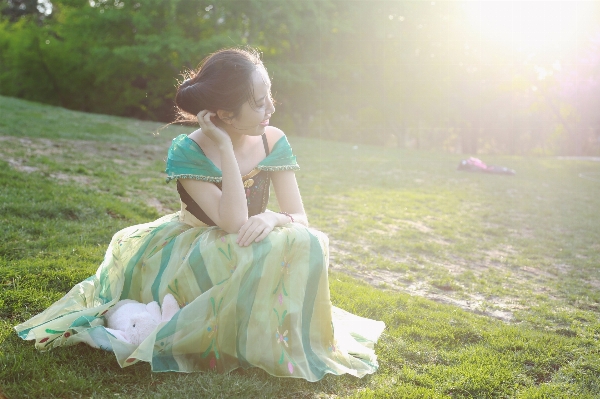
[550,27]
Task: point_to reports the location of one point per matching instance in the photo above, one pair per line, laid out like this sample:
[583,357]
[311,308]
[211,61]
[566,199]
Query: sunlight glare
[550,27]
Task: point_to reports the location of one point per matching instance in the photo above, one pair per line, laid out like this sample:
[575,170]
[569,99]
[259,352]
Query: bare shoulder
[206,145]
[196,135]
[273,135]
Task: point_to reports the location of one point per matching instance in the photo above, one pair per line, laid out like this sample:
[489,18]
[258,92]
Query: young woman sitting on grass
[252,284]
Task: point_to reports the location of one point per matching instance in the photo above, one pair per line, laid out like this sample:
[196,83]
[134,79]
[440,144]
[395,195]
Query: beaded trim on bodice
[256,185]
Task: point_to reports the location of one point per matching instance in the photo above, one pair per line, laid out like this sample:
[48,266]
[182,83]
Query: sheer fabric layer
[266,305]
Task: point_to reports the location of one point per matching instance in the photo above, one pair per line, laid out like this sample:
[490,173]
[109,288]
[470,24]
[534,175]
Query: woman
[252,284]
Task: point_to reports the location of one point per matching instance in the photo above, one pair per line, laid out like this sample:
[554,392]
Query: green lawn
[489,285]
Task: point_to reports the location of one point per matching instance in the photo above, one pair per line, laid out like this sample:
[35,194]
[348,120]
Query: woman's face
[255,113]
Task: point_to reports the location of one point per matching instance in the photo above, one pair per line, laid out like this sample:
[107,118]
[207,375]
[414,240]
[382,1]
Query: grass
[489,285]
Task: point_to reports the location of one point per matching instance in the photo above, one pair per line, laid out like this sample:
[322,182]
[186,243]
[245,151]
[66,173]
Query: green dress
[266,305]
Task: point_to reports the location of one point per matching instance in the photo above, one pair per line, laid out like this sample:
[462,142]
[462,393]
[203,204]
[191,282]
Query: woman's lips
[265,123]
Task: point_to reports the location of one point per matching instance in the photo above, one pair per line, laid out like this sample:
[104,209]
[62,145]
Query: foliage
[106,59]
[375,72]
[13,10]
[578,88]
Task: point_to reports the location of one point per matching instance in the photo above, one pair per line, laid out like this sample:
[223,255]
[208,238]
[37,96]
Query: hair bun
[189,97]
[186,83]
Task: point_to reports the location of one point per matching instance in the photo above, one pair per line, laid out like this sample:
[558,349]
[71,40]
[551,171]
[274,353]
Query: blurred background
[472,77]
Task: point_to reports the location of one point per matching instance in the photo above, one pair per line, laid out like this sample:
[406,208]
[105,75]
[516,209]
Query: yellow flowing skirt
[266,305]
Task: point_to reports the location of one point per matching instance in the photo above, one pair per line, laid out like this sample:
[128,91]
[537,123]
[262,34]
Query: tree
[15,9]
[579,89]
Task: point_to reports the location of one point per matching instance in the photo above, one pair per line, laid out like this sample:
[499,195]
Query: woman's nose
[271,108]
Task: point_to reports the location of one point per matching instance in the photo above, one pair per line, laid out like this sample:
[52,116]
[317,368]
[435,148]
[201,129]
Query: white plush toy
[132,321]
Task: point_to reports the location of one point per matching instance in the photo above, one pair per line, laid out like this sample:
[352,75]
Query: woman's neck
[237,140]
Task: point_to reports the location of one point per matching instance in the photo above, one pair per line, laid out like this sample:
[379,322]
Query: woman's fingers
[244,233]
[240,237]
[201,115]
[204,118]
[214,133]
[250,235]
[262,235]
[207,117]
[252,232]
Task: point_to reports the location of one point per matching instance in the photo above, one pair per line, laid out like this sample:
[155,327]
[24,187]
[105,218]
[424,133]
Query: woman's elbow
[232,226]
[229,230]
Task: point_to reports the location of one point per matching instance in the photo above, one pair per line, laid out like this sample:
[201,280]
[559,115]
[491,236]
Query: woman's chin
[260,129]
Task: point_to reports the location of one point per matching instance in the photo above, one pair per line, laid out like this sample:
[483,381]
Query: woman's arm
[226,207]
[288,196]
[233,207]
[286,188]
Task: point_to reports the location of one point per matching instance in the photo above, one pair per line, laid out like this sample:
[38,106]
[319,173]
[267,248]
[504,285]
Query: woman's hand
[217,135]
[257,228]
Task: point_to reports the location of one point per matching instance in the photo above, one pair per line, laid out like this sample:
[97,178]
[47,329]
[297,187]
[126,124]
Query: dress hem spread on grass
[266,305]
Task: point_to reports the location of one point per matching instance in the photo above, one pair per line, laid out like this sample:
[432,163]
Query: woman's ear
[225,116]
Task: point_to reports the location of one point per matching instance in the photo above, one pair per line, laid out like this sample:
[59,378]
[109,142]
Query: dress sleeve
[186,160]
[280,158]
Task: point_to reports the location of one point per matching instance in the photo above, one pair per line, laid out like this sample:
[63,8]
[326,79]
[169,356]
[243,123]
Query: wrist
[287,217]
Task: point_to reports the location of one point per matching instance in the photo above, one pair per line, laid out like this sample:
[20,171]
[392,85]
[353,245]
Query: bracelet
[288,215]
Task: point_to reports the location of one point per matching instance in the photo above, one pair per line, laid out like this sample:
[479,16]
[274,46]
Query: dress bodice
[256,184]
[186,160]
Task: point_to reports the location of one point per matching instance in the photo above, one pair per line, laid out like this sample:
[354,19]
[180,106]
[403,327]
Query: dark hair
[221,81]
